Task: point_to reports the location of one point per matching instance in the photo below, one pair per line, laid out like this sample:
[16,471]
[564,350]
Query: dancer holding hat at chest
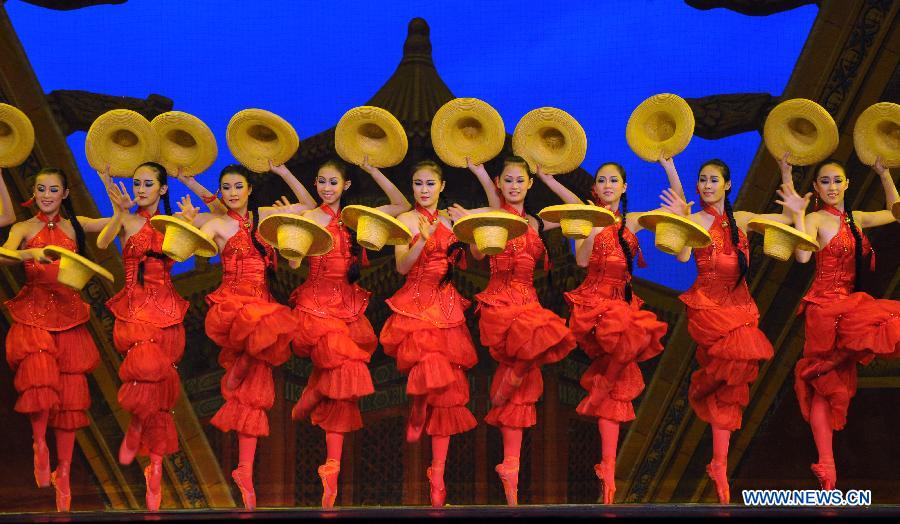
[427,331]
[48,345]
[844,326]
[333,330]
[520,334]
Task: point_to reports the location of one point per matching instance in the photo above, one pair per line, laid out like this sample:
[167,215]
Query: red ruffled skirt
[340,353]
[50,372]
[615,331]
[729,348]
[435,359]
[258,331]
[522,333]
[150,382]
[847,331]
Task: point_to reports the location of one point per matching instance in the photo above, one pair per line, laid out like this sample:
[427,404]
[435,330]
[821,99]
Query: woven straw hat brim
[551,138]
[9,254]
[88,264]
[322,240]
[599,216]
[696,236]
[185,142]
[464,228]
[398,233]
[208,247]
[467,127]
[122,139]
[877,133]
[804,241]
[370,131]
[256,136]
[802,128]
[16,136]
[660,125]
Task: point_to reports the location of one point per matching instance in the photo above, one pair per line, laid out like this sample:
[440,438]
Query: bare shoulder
[318,216]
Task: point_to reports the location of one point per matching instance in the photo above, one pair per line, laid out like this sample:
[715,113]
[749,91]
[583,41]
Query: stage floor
[461,512]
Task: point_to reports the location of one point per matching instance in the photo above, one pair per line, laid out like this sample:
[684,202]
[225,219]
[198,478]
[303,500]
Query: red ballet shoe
[418,414]
[719,475]
[41,463]
[328,472]
[826,473]
[435,476]
[816,370]
[244,480]
[508,386]
[238,371]
[131,443]
[508,470]
[153,476]
[309,399]
[607,475]
[60,481]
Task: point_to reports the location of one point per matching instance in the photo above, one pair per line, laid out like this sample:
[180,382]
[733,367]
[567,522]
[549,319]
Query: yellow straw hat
[551,138]
[490,231]
[74,269]
[674,232]
[802,128]
[577,220]
[256,136]
[16,136]
[9,254]
[467,127]
[122,139]
[877,133]
[660,125]
[780,240]
[183,240]
[372,131]
[185,142]
[295,236]
[375,228]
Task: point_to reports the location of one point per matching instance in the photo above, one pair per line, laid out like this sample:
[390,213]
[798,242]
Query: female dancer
[521,335]
[427,332]
[252,329]
[333,330]
[722,316]
[48,346]
[149,328]
[607,319]
[843,326]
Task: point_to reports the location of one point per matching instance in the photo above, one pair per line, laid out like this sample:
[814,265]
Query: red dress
[842,326]
[609,329]
[723,320]
[515,327]
[428,336]
[149,332]
[335,333]
[246,322]
[48,346]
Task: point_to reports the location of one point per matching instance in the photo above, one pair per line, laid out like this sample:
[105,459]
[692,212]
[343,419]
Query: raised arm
[299,190]
[668,165]
[490,190]
[121,202]
[399,203]
[741,218]
[673,195]
[564,193]
[796,205]
[7,215]
[674,203]
[879,218]
[215,205]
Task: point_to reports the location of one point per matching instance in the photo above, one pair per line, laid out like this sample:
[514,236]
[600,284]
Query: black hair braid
[735,241]
[626,249]
[140,268]
[76,225]
[857,249]
[543,236]
[167,204]
[455,252]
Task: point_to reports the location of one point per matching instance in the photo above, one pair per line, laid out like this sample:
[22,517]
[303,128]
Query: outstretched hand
[369,168]
[668,163]
[280,170]
[282,202]
[879,166]
[187,211]
[790,199]
[456,212]
[118,195]
[426,229]
[675,203]
[478,169]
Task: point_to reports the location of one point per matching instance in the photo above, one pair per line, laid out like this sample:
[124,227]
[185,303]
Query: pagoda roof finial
[417,47]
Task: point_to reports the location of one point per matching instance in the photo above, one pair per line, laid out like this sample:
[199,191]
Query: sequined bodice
[836,266]
[718,271]
[512,271]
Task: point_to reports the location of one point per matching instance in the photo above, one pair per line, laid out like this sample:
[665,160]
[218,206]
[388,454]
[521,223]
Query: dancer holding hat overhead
[427,331]
[48,346]
[148,328]
[333,330]
[253,330]
[722,316]
[607,319]
[521,335]
[843,325]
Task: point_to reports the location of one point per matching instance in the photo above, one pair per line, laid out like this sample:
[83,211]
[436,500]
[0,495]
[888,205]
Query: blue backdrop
[310,61]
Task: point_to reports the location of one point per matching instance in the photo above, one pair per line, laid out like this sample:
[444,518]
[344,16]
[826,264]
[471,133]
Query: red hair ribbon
[28,202]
